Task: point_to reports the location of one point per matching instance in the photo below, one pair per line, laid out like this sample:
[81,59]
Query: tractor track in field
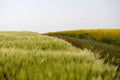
[103,48]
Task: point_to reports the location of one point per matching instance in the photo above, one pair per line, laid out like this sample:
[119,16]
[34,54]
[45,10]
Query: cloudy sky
[56,15]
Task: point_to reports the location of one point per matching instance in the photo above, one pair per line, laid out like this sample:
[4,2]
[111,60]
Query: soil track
[96,46]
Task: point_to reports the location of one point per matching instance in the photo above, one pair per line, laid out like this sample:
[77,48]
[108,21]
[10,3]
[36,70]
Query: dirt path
[95,46]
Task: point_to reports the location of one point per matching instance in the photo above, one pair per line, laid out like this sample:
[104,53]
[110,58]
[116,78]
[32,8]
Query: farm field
[31,56]
[109,36]
[107,41]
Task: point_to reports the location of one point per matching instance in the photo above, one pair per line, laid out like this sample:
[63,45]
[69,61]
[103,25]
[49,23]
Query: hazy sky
[56,15]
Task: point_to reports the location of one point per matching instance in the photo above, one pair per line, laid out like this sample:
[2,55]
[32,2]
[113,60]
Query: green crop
[31,56]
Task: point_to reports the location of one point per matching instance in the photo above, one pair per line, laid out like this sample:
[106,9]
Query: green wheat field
[31,56]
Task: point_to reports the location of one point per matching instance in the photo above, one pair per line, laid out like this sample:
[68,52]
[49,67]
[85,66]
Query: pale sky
[56,15]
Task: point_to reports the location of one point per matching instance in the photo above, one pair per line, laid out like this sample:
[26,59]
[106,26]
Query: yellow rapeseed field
[111,36]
